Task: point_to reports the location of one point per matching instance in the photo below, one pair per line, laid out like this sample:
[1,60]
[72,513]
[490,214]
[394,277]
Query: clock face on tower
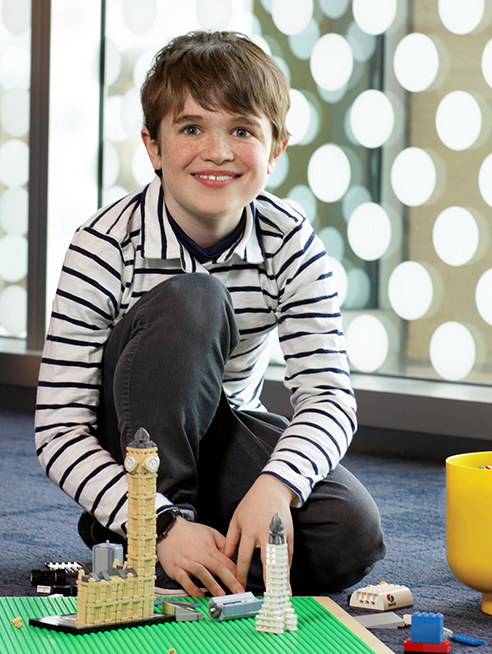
[129,464]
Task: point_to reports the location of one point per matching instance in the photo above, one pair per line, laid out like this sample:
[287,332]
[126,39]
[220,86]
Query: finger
[191,589]
[232,540]
[244,556]
[220,540]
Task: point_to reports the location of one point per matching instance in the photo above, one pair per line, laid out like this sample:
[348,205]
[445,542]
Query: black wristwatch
[166,521]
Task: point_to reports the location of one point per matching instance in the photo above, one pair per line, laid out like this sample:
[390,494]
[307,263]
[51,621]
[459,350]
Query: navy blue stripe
[75,364]
[308,316]
[94,283]
[109,485]
[84,303]
[309,440]
[314,425]
[114,513]
[92,474]
[310,371]
[62,449]
[160,217]
[98,260]
[73,341]
[81,458]
[300,454]
[303,355]
[72,321]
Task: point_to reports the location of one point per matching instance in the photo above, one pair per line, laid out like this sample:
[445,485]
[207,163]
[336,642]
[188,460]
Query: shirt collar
[160,242]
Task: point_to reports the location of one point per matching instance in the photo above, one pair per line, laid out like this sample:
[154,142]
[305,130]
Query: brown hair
[217,69]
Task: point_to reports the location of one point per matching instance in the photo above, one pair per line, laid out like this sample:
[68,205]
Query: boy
[162,320]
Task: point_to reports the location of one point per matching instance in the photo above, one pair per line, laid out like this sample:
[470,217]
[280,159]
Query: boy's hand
[194,550]
[250,524]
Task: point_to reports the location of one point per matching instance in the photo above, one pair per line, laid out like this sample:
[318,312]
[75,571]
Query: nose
[217,149]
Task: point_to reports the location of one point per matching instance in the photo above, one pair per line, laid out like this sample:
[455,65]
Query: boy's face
[213,164]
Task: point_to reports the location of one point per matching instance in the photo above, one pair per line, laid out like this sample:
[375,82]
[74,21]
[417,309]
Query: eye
[191,130]
[242,132]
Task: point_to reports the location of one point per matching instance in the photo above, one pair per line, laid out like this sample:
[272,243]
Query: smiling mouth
[217,178]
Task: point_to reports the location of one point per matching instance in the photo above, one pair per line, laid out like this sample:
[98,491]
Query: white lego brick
[383,597]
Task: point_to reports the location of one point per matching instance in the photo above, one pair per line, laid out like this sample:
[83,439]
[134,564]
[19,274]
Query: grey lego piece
[233,607]
[380,621]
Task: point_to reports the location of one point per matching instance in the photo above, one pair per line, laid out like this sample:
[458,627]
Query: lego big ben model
[123,595]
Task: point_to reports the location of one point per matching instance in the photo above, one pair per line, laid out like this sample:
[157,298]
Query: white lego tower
[277,614]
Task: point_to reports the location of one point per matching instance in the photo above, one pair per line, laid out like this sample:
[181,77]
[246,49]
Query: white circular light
[369,231]
[452,351]
[111,165]
[183,20]
[355,196]
[304,196]
[142,170]
[455,236]
[334,8]
[410,290]
[14,163]
[363,44]
[416,62]
[279,175]
[113,194]
[14,209]
[374,16]
[15,68]
[461,16]
[113,119]
[215,14]
[332,97]
[142,64]
[329,173]
[302,44]
[16,15]
[483,295]
[13,310]
[367,343]
[372,118]
[13,258]
[292,16]
[112,66]
[332,62]
[458,120]
[333,242]
[139,15]
[341,281]
[247,23]
[314,123]
[298,117]
[485,180]
[131,114]
[487,63]
[413,176]
[14,112]
[359,289]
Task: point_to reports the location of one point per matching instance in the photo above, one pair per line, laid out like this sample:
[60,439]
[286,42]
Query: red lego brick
[410,646]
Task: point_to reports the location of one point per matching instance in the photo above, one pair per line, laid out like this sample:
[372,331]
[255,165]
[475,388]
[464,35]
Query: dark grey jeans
[163,369]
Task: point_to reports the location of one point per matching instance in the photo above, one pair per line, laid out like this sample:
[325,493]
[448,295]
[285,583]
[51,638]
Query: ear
[152,148]
[275,157]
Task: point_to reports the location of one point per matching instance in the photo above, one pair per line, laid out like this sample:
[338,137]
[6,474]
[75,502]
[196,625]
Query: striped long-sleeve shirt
[278,275]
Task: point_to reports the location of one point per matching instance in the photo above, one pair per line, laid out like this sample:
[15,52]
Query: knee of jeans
[189,301]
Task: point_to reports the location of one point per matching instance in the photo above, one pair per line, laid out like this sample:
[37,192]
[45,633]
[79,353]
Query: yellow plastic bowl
[469,522]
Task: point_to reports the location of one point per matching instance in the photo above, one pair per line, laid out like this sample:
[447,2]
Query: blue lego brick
[427,628]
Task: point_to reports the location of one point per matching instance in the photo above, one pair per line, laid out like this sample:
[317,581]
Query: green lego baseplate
[319,632]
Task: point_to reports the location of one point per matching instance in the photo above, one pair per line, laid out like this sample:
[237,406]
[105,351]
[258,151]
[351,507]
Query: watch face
[152,464]
[129,464]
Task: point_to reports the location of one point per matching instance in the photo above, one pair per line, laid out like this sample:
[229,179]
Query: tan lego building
[126,592]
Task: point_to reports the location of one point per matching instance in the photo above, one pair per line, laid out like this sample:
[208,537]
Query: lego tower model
[277,614]
[126,593]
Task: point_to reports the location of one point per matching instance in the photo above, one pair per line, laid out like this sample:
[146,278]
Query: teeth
[216,178]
